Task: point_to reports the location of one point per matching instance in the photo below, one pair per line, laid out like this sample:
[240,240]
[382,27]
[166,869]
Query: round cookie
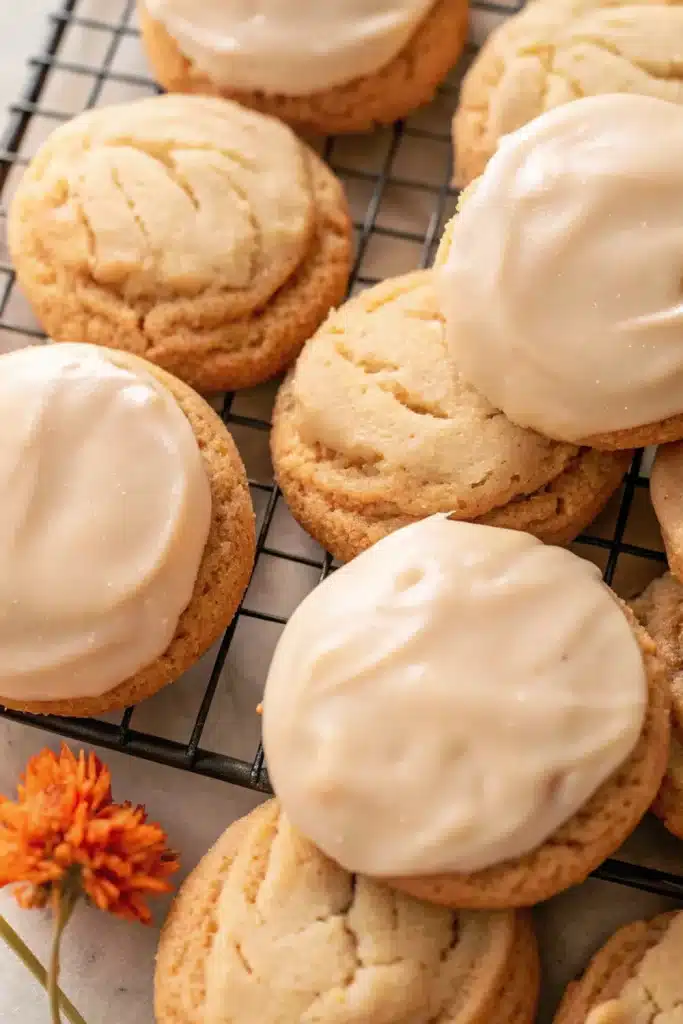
[555,51]
[224,570]
[541,773]
[548,313]
[589,837]
[408,81]
[660,609]
[373,430]
[188,230]
[666,490]
[358,950]
[634,976]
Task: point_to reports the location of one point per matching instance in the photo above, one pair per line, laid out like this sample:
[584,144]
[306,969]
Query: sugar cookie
[367,64]
[543,701]
[559,277]
[188,230]
[660,609]
[374,429]
[358,950]
[633,977]
[127,534]
[555,51]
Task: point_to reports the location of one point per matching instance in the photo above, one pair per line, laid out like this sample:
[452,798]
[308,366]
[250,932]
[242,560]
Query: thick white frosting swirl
[562,275]
[289,47]
[104,517]
[448,699]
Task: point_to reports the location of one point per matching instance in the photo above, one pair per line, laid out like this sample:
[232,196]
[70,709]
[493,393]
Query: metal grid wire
[373,170]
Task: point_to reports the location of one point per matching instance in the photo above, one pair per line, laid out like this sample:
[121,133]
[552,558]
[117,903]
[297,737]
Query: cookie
[545,703]
[633,977]
[549,313]
[587,839]
[554,52]
[660,609]
[666,488]
[358,950]
[407,81]
[374,429]
[219,582]
[187,230]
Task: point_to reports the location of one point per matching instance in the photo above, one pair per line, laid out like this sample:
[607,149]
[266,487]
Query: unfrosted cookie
[634,977]
[556,51]
[188,230]
[268,926]
[95,616]
[408,80]
[660,609]
[666,491]
[374,429]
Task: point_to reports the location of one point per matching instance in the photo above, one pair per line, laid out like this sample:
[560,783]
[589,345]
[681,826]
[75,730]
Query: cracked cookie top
[375,415]
[296,938]
[169,197]
[560,50]
[634,977]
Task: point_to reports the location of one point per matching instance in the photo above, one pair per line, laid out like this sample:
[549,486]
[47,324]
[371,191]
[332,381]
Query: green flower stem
[65,901]
[19,947]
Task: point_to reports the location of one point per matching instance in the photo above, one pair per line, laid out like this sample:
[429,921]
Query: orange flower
[64,830]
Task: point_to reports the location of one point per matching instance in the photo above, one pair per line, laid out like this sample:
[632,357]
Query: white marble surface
[108,966]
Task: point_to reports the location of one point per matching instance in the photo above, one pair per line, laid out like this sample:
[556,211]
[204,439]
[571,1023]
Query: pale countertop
[108,965]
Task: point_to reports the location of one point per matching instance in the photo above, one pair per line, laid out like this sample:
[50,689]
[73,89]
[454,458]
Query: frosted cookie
[660,609]
[666,492]
[560,275]
[634,977]
[329,67]
[524,716]
[556,51]
[375,429]
[266,929]
[188,230]
[126,529]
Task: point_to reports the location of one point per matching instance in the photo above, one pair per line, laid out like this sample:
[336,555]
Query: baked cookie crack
[554,52]
[373,365]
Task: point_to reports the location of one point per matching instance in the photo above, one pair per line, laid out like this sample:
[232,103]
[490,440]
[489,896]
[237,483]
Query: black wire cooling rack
[397,204]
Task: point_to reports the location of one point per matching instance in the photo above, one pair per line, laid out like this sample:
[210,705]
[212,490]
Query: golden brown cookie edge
[610,969]
[666,477]
[187,934]
[472,147]
[224,571]
[346,533]
[651,608]
[580,845]
[409,81]
[186,940]
[243,351]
